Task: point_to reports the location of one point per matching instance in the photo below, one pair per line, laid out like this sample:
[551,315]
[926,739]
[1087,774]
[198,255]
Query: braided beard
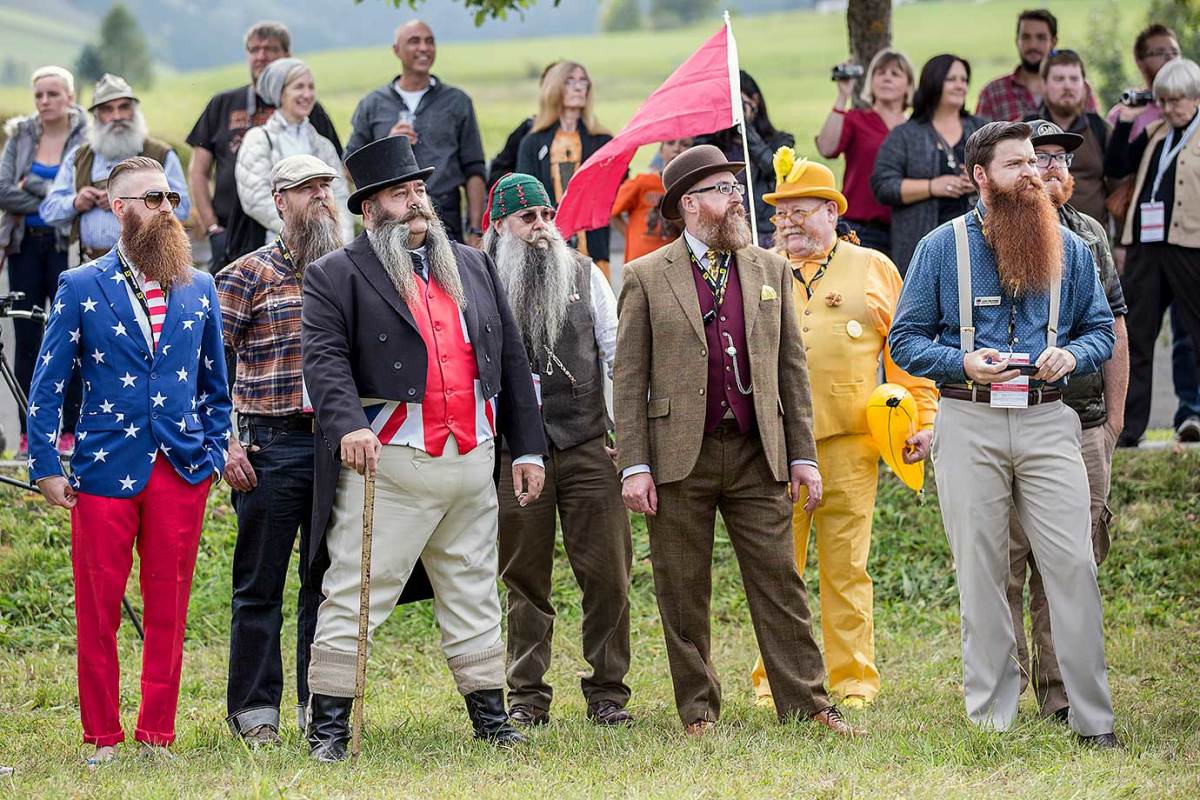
[539,278]
[389,240]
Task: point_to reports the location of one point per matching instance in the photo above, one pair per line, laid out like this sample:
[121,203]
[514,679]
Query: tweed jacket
[661,368]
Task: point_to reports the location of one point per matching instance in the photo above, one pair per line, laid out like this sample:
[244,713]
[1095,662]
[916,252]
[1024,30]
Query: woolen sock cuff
[483,669]
[331,672]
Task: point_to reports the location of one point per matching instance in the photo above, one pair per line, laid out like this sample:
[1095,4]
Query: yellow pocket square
[768,293]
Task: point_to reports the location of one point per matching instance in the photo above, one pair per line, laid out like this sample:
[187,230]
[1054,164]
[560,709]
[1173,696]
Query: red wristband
[838,111]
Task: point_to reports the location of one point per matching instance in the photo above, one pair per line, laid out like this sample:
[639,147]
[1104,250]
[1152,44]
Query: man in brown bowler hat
[713,412]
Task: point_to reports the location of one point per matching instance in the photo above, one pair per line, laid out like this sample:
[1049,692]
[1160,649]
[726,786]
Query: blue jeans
[1183,371]
[268,518]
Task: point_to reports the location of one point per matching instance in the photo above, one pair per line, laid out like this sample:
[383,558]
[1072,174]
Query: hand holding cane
[364,613]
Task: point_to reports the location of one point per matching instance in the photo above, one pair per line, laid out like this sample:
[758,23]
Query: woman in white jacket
[288,85]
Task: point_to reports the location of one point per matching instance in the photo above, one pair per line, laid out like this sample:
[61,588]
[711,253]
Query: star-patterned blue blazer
[138,403]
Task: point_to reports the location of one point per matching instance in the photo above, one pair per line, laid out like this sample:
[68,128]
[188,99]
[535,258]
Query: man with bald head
[439,121]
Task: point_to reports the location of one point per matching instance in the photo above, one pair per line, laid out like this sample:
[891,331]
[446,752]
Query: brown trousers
[1047,679]
[732,475]
[582,486]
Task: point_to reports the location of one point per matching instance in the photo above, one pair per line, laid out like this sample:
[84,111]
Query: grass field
[417,739]
[789,54]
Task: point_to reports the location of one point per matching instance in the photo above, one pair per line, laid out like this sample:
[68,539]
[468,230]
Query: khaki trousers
[1098,447]
[583,490]
[988,460]
[850,473]
[441,510]
[732,475]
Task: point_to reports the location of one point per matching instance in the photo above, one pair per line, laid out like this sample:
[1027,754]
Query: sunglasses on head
[530,216]
[154,199]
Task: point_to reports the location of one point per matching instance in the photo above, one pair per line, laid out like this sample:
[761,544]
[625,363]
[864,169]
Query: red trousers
[163,521]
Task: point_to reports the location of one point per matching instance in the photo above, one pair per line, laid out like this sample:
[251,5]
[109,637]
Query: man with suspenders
[1000,308]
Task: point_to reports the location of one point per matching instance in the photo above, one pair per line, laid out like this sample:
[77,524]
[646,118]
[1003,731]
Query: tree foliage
[482,9]
[1104,57]
[677,13]
[621,15]
[121,50]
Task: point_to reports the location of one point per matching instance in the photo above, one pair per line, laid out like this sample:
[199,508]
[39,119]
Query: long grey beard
[539,282]
[389,240]
[119,140]
[312,236]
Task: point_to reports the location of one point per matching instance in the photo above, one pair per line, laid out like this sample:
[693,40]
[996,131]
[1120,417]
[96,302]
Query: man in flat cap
[270,462]
[415,365]
[78,196]
[713,413]
[567,316]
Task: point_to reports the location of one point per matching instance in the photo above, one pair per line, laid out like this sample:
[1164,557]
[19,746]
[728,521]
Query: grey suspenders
[966,328]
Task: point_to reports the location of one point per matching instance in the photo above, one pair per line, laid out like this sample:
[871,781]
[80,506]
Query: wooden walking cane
[364,614]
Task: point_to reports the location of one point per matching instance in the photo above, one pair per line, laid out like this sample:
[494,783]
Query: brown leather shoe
[700,727]
[832,718]
[528,716]
[608,713]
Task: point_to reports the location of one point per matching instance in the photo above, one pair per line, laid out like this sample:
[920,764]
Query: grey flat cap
[292,171]
[111,87]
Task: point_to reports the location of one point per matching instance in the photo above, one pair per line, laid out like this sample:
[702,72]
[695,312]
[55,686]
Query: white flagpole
[739,119]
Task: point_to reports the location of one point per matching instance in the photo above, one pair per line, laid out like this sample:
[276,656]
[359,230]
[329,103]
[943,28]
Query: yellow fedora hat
[803,178]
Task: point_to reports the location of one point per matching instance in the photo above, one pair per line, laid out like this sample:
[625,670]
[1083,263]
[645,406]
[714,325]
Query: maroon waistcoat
[729,323]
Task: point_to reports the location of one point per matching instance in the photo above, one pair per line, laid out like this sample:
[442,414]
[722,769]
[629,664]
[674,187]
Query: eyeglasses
[794,217]
[531,215]
[581,83]
[154,199]
[1061,159]
[723,188]
[1164,52]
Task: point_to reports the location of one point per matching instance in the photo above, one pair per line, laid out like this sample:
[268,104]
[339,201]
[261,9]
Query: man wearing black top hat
[414,366]
[1099,400]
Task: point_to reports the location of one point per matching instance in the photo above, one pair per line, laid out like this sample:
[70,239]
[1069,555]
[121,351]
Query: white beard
[119,140]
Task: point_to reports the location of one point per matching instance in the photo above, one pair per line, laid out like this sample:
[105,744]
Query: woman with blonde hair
[37,252]
[564,134]
[858,133]
[288,85]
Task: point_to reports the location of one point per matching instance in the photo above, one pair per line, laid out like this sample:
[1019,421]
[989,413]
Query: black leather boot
[328,730]
[490,720]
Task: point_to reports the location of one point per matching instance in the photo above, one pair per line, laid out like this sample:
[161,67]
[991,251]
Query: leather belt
[293,422]
[979,394]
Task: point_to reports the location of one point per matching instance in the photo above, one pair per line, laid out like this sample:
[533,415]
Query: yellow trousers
[849,467]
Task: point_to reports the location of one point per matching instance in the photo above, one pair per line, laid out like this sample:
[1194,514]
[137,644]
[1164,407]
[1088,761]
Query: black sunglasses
[530,216]
[154,199]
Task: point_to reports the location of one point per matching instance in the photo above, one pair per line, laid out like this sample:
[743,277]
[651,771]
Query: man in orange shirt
[636,214]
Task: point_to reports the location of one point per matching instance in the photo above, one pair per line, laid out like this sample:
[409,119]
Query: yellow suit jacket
[845,327]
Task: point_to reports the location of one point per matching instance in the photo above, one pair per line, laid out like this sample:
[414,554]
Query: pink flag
[702,96]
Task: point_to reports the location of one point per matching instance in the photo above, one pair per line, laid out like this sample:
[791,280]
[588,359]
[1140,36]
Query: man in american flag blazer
[143,329]
[414,366]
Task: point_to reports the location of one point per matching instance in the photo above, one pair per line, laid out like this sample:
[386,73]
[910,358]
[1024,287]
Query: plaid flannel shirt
[260,296]
[1006,100]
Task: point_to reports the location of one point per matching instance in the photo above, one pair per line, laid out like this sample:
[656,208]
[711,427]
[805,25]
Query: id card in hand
[1153,219]
[1013,393]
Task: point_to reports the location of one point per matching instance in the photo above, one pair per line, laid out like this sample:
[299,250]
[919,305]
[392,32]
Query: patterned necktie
[715,259]
[419,265]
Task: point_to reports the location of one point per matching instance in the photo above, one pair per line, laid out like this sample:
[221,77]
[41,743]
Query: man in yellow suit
[845,298]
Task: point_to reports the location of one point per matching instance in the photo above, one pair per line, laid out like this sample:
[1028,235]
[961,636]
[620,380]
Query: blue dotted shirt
[924,337]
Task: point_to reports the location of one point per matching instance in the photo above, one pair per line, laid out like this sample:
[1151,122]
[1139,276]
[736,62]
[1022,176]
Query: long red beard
[1022,230]
[159,249]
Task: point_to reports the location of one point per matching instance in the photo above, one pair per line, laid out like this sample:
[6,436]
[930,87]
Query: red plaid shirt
[260,296]
[1006,99]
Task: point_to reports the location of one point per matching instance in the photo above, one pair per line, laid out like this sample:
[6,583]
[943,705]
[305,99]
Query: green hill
[788,53]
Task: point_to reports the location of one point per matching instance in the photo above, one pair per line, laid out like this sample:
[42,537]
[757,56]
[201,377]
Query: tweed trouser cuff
[473,672]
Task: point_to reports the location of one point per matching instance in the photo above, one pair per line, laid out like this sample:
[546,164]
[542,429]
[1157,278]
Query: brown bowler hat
[689,168]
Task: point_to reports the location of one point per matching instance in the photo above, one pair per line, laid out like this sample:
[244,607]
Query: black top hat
[381,164]
[1046,132]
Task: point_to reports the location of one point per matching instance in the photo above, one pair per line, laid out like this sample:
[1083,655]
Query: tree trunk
[869,23]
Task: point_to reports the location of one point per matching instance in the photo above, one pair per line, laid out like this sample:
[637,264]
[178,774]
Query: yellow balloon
[892,419]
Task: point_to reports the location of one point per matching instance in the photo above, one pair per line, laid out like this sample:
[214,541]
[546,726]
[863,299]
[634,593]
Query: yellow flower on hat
[803,178]
[783,160]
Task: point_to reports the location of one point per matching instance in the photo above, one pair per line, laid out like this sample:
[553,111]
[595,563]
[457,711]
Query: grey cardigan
[910,151]
[16,201]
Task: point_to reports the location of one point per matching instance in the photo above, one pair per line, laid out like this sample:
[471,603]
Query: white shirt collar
[699,249]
